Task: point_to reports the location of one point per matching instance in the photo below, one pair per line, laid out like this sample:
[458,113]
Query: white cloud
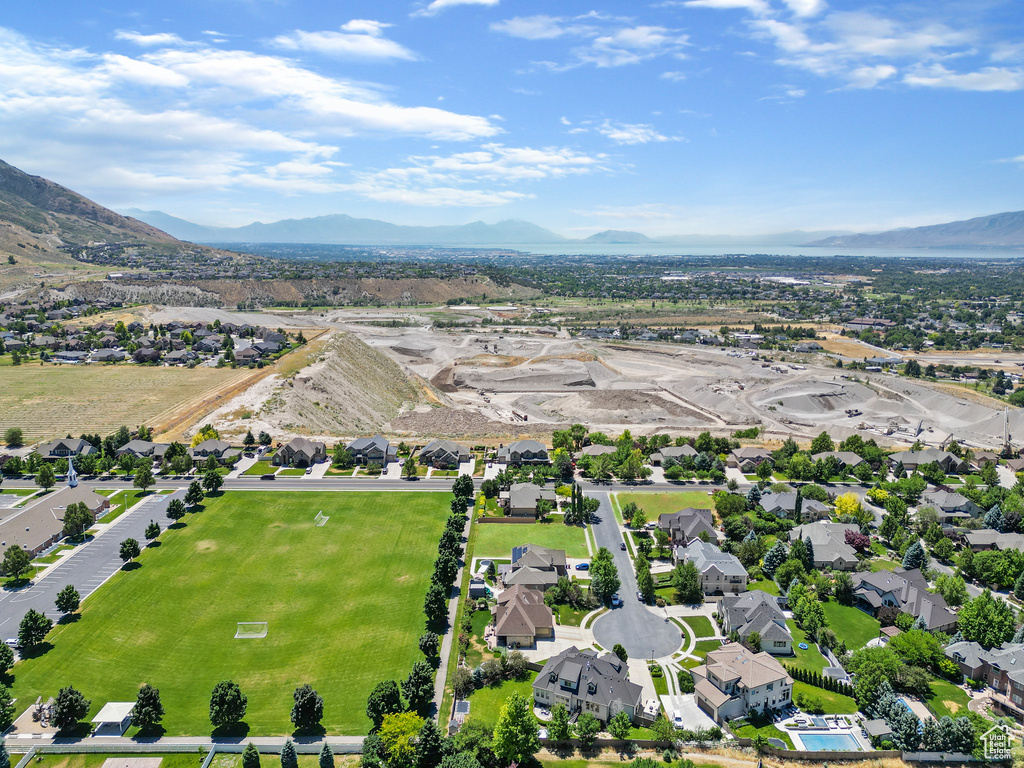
[869,77]
[796,93]
[439,5]
[358,39]
[675,77]
[141,72]
[532,27]
[986,79]
[806,7]
[758,7]
[632,133]
[147,41]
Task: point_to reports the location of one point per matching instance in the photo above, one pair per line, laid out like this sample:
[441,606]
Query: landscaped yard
[485,703]
[569,617]
[703,647]
[497,539]
[851,624]
[947,699]
[883,565]
[700,626]
[810,659]
[658,677]
[765,585]
[475,654]
[261,468]
[749,727]
[654,504]
[831,702]
[344,605]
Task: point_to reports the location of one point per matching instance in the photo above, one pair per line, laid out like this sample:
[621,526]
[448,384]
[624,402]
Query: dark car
[582,566]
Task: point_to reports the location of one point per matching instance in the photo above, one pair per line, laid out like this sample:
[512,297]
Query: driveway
[641,632]
[686,705]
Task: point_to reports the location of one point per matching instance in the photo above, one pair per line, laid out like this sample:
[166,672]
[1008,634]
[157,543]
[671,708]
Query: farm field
[654,504]
[343,603]
[49,401]
[497,539]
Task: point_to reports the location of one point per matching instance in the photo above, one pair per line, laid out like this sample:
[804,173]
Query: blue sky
[668,117]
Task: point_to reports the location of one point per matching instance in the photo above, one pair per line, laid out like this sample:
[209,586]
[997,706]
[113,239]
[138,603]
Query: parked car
[12,642]
[268,477]
[582,566]
[622,546]
[309,471]
[640,596]
[677,718]
[616,600]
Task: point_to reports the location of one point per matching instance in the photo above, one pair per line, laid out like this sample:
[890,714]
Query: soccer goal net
[250,630]
[321,518]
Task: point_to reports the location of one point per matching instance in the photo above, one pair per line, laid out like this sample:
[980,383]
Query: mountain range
[1000,230]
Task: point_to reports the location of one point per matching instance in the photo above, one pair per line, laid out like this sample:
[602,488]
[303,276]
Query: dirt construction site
[495,383]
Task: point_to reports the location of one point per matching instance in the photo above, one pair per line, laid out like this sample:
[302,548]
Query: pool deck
[837,726]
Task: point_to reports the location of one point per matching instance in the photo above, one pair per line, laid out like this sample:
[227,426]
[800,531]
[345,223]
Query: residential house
[218,448]
[981,458]
[146,355]
[585,682]
[144,448]
[596,450]
[757,611]
[520,617]
[998,668]
[68,446]
[784,505]
[950,506]
[373,450]
[674,452]
[108,356]
[907,591]
[688,524]
[444,454]
[987,538]
[522,499]
[720,572]
[913,460]
[533,566]
[734,680]
[247,355]
[523,452]
[300,452]
[748,459]
[829,543]
[847,459]
[71,358]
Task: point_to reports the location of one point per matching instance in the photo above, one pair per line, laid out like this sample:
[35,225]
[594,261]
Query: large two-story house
[688,524]
[907,591]
[734,680]
[533,566]
[586,682]
[720,572]
[65,447]
[523,452]
[372,450]
[1000,668]
[748,459]
[829,543]
[521,617]
[444,454]
[784,505]
[759,612]
[301,452]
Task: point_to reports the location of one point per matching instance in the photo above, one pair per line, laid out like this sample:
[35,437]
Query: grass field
[497,539]
[947,699]
[654,504]
[343,603]
[700,626]
[833,703]
[49,401]
[851,624]
[261,468]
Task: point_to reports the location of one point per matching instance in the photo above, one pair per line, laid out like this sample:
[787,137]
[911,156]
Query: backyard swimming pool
[827,742]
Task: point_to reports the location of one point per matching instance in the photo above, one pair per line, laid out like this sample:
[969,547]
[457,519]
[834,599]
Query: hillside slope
[999,230]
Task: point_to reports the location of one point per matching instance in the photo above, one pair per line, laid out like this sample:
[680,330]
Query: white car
[677,718]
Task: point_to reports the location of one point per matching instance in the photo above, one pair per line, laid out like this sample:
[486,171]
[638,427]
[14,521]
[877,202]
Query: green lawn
[344,604]
[485,703]
[123,500]
[171,760]
[292,472]
[765,585]
[947,699]
[261,468]
[660,683]
[749,728]
[702,647]
[811,659]
[654,504]
[700,626]
[18,491]
[571,618]
[474,656]
[883,565]
[851,624]
[497,539]
[833,703]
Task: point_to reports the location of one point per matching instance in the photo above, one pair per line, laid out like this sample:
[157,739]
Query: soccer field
[343,602]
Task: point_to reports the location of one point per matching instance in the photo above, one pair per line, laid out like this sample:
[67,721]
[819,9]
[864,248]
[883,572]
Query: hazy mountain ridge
[998,230]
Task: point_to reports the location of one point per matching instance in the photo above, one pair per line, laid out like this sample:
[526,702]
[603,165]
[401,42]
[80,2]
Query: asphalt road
[642,632]
[90,565]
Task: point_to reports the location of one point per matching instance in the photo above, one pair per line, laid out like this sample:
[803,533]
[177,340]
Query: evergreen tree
[326,756]
[775,557]
[432,746]
[288,757]
[915,557]
[251,756]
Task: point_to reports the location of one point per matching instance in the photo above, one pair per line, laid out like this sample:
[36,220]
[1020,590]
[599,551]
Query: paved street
[642,633]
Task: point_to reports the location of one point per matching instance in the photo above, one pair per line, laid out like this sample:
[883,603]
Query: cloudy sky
[671,116]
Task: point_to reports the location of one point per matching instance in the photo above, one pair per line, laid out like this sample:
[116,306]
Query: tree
[129,550]
[435,604]
[288,757]
[986,620]
[45,479]
[587,727]
[68,599]
[559,727]
[14,437]
[686,581]
[33,628]
[516,733]
[872,667]
[227,704]
[775,557]
[847,504]
[148,710]
[16,561]
[620,651]
[764,470]
[822,444]
[6,719]
[194,495]
[175,509]
[212,481]
[69,707]
[384,699]
[6,658]
[644,580]
[326,759]
[409,468]
[418,687]
[77,518]
[842,588]
[952,588]
[604,576]
[152,530]
[143,477]
[944,550]
[915,557]
[249,441]
[620,726]
[463,682]
[429,644]
[398,735]
[343,458]
[431,746]
[250,756]
[308,710]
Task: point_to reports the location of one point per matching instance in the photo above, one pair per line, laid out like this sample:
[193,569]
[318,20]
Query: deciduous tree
[194,495]
[384,699]
[68,599]
[227,704]
[129,550]
[308,709]
[33,628]
[69,707]
[516,733]
[148,710]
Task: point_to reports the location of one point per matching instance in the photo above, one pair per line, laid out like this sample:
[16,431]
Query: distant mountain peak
[1000,230]
[618,236]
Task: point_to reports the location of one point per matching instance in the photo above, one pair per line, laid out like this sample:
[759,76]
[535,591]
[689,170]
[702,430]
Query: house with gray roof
[784,505]
[522,499]
[533,566]
[829,542]
[65,447]
[688,524]
[301,452]
[218,448]
[913,460]
[597,450]
[40,524]
[950,506]
[734,680]
[144,448]
[757,611]
[847,459]
[372,450]
[1002,669]
[521,617]
[585,682]
[720,572]
[523,452]
[906,591]
[747,459]
[444,454]
[673,452]
[987,538]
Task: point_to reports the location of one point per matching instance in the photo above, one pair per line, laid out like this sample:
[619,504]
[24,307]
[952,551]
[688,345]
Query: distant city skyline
[667,117]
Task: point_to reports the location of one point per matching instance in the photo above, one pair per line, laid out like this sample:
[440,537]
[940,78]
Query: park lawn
[765,585]
[811,659]
[654,504]
[485,703]
[947,699]
[851,624]
[351,590]
[497,539]
[261,468]
[833,703]
[700,626]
